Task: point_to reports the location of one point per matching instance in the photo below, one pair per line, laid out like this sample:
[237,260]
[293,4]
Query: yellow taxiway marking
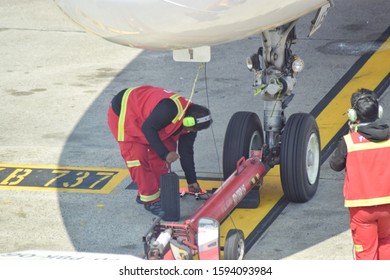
[247,219]
[60,178]
[374,71]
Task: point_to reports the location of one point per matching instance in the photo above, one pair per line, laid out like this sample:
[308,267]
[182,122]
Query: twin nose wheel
[299,151]
[299,161]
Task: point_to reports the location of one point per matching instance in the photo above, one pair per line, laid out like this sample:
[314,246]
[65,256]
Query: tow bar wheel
[300,158]
[234,248]
[243,134]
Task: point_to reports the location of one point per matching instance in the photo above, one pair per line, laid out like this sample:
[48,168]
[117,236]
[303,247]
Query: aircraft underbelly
[178,24]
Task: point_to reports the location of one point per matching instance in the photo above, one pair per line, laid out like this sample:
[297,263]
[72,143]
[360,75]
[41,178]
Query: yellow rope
[193,89]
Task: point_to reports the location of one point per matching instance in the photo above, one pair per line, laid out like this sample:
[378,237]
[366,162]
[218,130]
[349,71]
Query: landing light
[253,62]
[249,63]
[297,64]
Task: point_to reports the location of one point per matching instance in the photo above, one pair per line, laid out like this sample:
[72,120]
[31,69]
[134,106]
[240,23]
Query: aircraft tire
[300,158]
[244,132]
[234,248]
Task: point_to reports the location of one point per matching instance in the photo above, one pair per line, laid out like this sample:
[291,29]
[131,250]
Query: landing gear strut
[292,144]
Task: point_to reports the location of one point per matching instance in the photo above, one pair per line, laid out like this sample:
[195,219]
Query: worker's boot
[154,208]
[138,200]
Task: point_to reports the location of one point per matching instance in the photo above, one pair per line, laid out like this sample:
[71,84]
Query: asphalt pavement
[57,81]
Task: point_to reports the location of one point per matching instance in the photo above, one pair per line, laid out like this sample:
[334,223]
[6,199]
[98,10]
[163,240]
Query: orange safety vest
[137,104]
[367,180]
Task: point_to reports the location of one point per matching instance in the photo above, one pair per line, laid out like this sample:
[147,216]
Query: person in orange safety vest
[364,153]
[150,124]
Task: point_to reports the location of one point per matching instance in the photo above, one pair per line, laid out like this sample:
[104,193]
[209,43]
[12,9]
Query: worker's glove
[171,157]
[194,187]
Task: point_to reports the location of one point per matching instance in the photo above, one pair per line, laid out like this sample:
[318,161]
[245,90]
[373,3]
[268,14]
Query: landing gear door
[319,18]
[208,239]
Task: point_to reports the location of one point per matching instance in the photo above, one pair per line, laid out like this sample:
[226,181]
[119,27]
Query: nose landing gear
[295,144]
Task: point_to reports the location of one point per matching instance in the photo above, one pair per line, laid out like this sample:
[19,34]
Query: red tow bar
[218,206]
[248,174]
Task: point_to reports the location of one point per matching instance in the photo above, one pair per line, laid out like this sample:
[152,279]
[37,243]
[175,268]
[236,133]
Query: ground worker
[149,124]
[364,153]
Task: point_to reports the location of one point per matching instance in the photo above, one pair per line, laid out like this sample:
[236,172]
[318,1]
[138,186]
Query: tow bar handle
[240,166]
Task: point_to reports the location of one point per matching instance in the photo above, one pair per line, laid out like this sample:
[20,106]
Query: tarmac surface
[58,80]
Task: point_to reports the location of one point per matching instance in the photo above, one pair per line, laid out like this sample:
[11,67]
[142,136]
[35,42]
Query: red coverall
[367,195]
[144,164]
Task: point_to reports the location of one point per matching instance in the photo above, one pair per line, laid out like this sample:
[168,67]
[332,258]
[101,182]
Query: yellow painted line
[329,121]
[60,178]
[248,219]
[333,117]
[207,185]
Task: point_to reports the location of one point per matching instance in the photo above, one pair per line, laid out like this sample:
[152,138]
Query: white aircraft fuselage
[180,24]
